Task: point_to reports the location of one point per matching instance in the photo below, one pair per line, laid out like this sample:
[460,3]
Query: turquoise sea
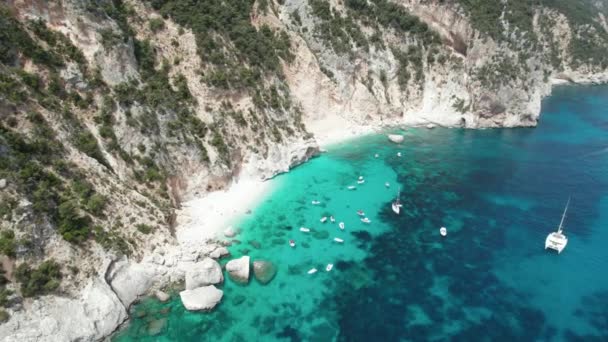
[499,192]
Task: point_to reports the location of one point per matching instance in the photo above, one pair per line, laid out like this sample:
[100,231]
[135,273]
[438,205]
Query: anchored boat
[396,205]
[557,240]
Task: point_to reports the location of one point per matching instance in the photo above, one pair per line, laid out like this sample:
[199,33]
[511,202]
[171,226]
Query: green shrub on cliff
[38,281]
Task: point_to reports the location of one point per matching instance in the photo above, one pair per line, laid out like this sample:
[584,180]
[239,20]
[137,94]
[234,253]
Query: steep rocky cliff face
[114,112]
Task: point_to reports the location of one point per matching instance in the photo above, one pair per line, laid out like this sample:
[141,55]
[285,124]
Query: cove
[499,192]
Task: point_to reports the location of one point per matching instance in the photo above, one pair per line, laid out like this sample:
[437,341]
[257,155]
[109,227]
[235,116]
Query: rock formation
[203,273]
[202,298]
[264,271]
[238,269]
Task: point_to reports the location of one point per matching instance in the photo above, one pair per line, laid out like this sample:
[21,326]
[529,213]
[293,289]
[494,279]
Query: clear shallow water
[499,193]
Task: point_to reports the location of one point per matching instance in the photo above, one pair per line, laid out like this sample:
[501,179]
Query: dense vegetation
[238,53]
[590,40]
[38,281]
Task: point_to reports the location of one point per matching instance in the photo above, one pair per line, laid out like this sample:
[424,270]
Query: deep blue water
[499,192]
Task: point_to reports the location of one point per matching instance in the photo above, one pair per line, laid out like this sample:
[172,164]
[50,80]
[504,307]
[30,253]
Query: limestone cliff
[112,113]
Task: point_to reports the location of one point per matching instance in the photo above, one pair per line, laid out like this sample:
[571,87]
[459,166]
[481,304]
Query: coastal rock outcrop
[264,271]
[202,298]
[161,296]
[203,273]
[93,315]
[219,252]
[238,269]
[396,138]
[130,280]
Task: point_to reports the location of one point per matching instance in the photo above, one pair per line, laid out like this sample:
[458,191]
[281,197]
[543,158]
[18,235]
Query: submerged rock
[203,273]
[264,271]
[238,269]
[202,298]
[156,326]
[320,235]
[396,138]
[255,244]
[238,300]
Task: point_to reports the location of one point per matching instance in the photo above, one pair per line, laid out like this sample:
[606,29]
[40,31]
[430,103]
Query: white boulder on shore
[202,298]
[396,138]
[161,296]
[229,232]
[203,273]
[238,269]
[219,252]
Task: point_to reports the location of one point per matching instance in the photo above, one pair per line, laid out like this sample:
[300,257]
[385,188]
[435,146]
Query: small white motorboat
[387,184]
[323,219]
[366,220]
[292,243]
[351,187]
[329,267]
[360,213]
[315,202]
[312,271]
[396,205]
[398,154]
[332,219]
[341,225]
[361,181]
[360,177]
[304,229]
[557,240]
[376,155]
[443,231]
[338,240]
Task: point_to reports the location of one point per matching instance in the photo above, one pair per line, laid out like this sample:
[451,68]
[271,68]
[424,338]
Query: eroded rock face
[238,269]
[203,273]
[264,271]
[202,298]
[130,280]
[93,315]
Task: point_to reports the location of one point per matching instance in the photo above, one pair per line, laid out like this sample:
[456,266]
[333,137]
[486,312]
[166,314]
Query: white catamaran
[557,240]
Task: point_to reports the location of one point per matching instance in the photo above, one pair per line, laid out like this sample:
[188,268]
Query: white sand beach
[207,217]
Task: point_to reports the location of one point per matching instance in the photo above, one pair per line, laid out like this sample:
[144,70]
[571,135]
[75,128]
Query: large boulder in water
[203,273]
[202,298]
[238,269]
[264,271]
[396,138]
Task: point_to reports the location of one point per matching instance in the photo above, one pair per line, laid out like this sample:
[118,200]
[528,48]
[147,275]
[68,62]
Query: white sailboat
[351,187]
[338,240]
[396,205]
[341,225]
[329,267]
[366,220]
[323,219]
[304,229]
[315,202]
[557,240]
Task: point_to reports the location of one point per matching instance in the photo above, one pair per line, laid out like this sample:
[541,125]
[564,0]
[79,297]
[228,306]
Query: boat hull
[556,242]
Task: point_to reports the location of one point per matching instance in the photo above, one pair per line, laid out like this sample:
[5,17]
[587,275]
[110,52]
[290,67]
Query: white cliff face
[92,315]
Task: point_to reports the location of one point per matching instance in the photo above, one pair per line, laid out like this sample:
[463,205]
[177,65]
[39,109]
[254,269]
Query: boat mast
[561,223]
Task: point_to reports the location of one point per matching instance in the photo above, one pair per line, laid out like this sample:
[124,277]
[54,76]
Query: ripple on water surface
[499,192]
